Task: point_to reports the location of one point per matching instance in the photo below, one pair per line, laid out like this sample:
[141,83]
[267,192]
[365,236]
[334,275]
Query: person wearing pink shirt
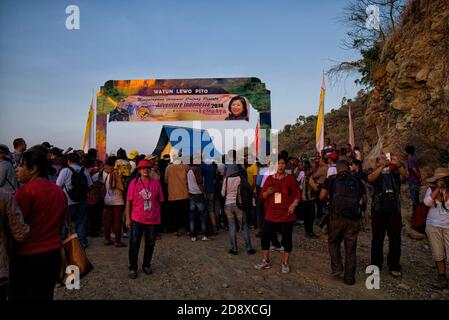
[143,215]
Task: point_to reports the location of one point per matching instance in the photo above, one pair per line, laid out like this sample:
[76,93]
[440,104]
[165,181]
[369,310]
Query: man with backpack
[345,192]
[75,181]
[197,201]
[386,213]
[238,197]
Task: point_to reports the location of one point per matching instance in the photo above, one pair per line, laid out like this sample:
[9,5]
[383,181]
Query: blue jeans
[233,212]
[197,201]
[414,194]
[78,216]
[137,230]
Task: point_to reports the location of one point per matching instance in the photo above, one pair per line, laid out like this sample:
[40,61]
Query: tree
[367,38]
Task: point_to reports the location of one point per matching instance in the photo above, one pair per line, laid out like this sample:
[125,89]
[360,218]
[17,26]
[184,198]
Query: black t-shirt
[378,183]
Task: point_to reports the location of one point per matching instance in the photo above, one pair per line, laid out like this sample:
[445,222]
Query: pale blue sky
[47,72]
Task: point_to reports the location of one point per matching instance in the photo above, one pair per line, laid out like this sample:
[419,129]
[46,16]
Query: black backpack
[244,198]
[385,196]
[79,190]
[346,196]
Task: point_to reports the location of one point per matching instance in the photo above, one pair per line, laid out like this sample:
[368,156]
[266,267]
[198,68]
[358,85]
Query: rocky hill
[409,103]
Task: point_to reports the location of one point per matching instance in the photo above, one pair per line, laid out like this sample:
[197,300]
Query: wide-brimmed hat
[144,163]
[439,174]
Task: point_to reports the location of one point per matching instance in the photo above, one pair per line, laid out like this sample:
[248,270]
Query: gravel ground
[204,270]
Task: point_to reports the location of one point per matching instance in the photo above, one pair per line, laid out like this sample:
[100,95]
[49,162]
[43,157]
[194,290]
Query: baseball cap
[145,164]
[133,154]
[47,145]
[332,156]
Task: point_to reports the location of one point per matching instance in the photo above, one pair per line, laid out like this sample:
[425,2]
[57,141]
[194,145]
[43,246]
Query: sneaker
[311,235]
[193,238]
[263,265]
[147,270]
[285,268]
[124,235]
[119,245]
[251,251]
[336,273]
[132,274]
[108,242]
[396,274]
[441,283]
[232,252]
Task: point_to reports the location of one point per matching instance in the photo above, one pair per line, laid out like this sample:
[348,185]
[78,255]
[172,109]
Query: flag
[89,133]
[256,141]
[320,122]
[351,129]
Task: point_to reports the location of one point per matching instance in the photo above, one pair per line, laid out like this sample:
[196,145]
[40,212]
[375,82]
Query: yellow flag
[89,133]
[320,121]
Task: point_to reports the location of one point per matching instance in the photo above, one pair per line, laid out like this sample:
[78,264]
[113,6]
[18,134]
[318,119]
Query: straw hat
[439,174]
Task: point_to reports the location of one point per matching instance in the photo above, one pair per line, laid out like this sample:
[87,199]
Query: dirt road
[204,270]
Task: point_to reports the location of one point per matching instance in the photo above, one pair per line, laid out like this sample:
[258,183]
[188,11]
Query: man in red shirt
[281,195]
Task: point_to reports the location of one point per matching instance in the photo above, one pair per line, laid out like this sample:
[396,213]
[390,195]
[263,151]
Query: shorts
[439,242]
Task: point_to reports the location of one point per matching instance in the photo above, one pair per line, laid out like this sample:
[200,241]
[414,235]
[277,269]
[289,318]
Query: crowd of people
[44,190]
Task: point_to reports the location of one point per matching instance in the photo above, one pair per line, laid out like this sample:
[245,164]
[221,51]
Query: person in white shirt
[114,204]
[437,224]
[77,209]
[229,192]
[332,167]
[197,201]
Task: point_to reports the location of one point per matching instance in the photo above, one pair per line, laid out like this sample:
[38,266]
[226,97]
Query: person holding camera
[437,224]
[386,211]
